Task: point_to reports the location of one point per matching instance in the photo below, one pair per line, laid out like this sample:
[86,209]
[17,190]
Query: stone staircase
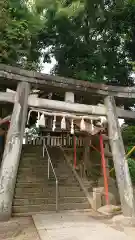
[35,193]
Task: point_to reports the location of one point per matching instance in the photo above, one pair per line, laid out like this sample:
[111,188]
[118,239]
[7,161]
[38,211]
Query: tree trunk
[12,151]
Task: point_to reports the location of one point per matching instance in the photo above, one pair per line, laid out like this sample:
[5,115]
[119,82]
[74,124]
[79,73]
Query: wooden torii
[23,81]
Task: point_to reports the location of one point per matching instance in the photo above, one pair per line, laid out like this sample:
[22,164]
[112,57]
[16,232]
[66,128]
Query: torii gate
[23,81]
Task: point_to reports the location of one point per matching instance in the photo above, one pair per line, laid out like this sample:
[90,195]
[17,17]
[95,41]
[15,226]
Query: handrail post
[43,148]
[56,196]
[50,163]
[48,168]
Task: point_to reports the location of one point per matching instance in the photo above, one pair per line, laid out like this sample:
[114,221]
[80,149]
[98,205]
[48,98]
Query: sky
[47,67]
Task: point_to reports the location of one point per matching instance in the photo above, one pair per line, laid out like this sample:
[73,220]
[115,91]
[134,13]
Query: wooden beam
[67,107]
[12,151]
[6,119]
[7,97]
[119,158]
[15,75]
[76,108]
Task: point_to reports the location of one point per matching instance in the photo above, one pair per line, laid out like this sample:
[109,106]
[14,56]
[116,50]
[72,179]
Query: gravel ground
[18,228]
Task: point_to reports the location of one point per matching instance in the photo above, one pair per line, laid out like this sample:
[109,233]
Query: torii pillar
[12,152]
[119,158]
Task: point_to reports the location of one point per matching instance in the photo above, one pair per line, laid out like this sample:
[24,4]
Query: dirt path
[21,228]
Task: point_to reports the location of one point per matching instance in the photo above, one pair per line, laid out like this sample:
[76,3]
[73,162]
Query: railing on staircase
[53,141]
[50,164]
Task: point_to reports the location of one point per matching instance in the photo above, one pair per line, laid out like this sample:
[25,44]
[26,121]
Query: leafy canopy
[90,40]
[19,34]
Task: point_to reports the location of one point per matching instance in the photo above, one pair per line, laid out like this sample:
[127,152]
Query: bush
[131,165]
[128,134]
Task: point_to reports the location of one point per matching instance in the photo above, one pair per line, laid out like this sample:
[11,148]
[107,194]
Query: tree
[19,31]
[89,39]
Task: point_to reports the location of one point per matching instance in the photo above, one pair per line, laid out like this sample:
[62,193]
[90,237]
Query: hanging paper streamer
[42,120]
[72,127]
[92,126]
[82,125]
[75,151]
[103,121]
[63,123]
[37,122]
[54,124]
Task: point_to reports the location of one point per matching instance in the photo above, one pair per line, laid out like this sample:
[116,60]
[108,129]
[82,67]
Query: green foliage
[91,40]
[128,134]
[32,132]
[19,31]
[131,165]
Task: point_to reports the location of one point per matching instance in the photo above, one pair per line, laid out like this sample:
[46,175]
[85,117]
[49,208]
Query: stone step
[29,147]
[38,201]
[59,166]
[29,164]
[40,155]
[32,160]
[48,194]
[30,171]
[32,150]
[33,167]
[48,183]
[34,192]
[49,207]
[41,172]
[33,181]
[47,188]
[37,160]
[33,178]
[25,176]
[44,178]
[45,184]
[44,167]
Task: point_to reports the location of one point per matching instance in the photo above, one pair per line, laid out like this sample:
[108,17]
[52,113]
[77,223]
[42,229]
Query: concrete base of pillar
[97,198]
